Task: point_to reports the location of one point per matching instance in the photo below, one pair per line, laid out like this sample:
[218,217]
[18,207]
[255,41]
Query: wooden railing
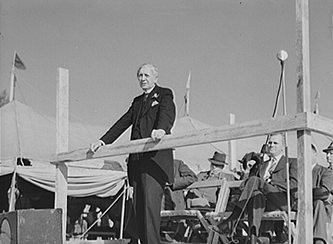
[302,122]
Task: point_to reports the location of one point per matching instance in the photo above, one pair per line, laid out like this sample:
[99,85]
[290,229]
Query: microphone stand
[282,56]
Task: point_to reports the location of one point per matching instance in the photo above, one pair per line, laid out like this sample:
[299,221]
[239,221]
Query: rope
[99,218]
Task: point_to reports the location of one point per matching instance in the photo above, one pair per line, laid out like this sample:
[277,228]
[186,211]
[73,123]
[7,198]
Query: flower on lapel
[155,96]
[154,103]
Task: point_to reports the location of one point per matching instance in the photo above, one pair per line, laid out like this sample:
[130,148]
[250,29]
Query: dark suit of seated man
[322,184]
[207,197]
[174,197]
[265,189]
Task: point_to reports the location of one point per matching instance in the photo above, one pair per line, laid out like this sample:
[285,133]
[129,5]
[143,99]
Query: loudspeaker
[31,226]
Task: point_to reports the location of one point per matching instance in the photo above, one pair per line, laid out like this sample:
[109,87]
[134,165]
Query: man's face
[146,78]
[216,169]
[329,157]
[275,145]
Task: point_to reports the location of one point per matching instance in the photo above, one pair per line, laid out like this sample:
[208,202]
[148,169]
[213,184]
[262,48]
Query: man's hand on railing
[157,134]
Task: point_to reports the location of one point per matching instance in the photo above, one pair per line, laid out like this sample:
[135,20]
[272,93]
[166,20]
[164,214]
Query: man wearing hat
[329,155]
[207,197]
[322,184]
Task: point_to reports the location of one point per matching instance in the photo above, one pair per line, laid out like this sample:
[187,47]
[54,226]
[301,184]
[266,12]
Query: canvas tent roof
[27,134]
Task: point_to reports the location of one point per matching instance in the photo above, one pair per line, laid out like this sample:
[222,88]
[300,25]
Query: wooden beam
[215,134]
[321,125]
[62,145]
[305,214]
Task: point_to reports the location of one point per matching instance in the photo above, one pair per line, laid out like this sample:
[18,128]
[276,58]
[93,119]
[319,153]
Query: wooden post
[305,215]
[232,147]
[62,145]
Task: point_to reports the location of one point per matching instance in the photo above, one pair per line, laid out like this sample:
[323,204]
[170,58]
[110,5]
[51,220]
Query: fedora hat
[218,159]
[329,148]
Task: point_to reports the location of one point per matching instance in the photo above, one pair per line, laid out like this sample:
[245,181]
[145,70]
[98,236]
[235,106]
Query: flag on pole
[317,95]
[18,63]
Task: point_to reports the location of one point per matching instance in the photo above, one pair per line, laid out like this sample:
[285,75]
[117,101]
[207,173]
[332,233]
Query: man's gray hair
[152,67]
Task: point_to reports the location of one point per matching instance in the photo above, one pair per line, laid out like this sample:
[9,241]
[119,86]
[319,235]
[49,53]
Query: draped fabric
[82,182]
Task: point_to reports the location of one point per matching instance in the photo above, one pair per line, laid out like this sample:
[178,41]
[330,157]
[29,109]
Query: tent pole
[12,199]
[232,147]
[121,231]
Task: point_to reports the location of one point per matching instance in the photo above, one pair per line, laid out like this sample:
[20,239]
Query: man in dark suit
[151,114]
[207,197]
[265,189]
[322,183]
[329,155]
[174,198]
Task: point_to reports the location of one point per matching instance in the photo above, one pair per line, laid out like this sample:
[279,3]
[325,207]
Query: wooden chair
[200,214]
[277,215]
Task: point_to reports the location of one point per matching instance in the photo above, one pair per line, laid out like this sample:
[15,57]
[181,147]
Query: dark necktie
[144,101]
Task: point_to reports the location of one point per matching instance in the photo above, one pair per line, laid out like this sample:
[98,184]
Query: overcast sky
[229,46]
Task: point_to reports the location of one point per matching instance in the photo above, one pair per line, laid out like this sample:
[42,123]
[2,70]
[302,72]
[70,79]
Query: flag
[18,63]
[317,95]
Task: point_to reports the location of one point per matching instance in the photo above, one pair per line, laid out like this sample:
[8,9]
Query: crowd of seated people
[264,188]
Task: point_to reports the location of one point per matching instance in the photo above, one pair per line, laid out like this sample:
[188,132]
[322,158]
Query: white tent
[27,134]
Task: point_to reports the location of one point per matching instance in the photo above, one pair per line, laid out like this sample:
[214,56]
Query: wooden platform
[120,241]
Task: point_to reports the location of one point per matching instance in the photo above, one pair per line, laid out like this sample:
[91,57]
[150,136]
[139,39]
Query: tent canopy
[27,134]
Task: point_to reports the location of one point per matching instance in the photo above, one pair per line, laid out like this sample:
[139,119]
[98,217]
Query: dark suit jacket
[174,197]
[322,177]
[158,113]
[279,175]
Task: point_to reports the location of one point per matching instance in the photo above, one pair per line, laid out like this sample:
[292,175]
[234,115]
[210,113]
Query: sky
[229,46]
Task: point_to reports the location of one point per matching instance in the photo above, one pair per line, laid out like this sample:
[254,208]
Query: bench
[199,215]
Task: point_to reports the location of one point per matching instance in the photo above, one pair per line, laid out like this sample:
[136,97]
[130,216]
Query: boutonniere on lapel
[154,97]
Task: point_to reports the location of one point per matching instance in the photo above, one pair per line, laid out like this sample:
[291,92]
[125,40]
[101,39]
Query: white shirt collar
[149,90]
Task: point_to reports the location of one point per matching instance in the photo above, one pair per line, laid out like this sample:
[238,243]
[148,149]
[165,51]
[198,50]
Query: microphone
[282,55]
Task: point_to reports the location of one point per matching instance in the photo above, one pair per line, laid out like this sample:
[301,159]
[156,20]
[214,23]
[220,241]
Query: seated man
[329,155]
[322,182]
[265,189]
[174,198]
[207,197]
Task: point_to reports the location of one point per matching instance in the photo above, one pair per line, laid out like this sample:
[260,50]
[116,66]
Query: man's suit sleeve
[119,127]
[167,113]
[187,177]
[327,180]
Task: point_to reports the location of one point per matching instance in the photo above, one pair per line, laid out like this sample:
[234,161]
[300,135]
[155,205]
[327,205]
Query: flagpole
[187,95]
[12,80]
